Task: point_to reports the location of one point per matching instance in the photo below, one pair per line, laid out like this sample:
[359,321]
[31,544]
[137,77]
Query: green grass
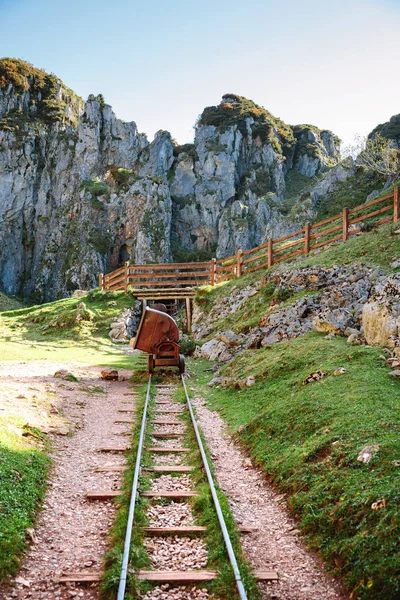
[350,193]
[379,247]
[23,474]
[63,331]
[306,438]
[9,303]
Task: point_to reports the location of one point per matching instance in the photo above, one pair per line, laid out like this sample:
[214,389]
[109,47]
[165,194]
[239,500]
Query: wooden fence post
[270,253]
[101,281]
[307,229]
[213,267]
[396,205]
[126,276]
[239,260]
[189,315]
[345,233]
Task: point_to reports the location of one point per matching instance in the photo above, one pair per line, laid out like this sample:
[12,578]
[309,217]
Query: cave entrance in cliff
[124,254]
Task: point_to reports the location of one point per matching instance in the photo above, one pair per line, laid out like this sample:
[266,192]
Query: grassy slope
[48,331]
[25,335]
[306,438]
[378,247]
[23,473]
[9,303]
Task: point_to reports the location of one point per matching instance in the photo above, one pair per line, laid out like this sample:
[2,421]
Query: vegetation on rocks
[349,193]
[50,98]
[95,187]
[234,110]
[389,130]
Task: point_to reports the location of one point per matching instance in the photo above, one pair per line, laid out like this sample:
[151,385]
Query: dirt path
[276,543]
[71,532]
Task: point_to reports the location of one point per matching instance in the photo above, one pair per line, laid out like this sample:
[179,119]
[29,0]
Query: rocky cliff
[82,191]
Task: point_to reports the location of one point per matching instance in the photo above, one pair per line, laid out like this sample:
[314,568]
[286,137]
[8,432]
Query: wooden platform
[110,469]
[170,411]
[79,577]
[177,576]
[170,469]
[165,576]
[175,494]
[165,422]
[174,530]
[103,494]
[168,450]
[113,449]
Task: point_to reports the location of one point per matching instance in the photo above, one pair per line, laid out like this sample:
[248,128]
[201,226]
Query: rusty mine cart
[158,335]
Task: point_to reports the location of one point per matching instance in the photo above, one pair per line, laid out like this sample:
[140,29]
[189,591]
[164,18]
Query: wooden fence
[340,227]
[159,275]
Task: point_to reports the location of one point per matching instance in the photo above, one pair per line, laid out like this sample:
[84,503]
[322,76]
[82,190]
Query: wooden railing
[159,275]
[340,227]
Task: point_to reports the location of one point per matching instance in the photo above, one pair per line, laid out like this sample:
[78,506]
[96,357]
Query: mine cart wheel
[181,364]
[151,364]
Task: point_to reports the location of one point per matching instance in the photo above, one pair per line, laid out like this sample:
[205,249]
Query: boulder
[354,338]
[395,373]
[381,314]
[109,374]
[367,453]
[332,321]
[229,338]
[207,349]
[250,381]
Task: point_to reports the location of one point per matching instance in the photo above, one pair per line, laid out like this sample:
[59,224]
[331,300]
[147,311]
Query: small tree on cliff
[377,154]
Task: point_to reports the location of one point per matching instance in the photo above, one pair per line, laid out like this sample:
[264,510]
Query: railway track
[174,542]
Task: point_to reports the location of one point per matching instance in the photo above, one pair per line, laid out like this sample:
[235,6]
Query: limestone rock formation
[82,191]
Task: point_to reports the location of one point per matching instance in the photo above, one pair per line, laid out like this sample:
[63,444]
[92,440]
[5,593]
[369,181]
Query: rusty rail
[291,245]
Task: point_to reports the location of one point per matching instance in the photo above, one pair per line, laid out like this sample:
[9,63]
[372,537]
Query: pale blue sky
[160,62]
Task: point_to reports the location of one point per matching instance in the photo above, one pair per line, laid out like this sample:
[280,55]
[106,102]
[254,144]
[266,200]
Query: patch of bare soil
[276,543]
[71,532]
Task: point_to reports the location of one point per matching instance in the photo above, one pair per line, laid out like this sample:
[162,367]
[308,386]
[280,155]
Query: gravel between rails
[167,459]
[71,533]
[276,544]
[167,483]
[180,429]
[166,592]
[173,514]
[176,553]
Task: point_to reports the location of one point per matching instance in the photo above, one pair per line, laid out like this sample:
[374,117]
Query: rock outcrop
[335,302]
[381,314]
[82,191]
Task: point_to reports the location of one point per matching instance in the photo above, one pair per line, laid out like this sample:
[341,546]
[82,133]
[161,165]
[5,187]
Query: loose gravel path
[71,533]
[276,544]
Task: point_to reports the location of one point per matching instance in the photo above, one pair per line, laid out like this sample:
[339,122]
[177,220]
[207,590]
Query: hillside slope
[315,406]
